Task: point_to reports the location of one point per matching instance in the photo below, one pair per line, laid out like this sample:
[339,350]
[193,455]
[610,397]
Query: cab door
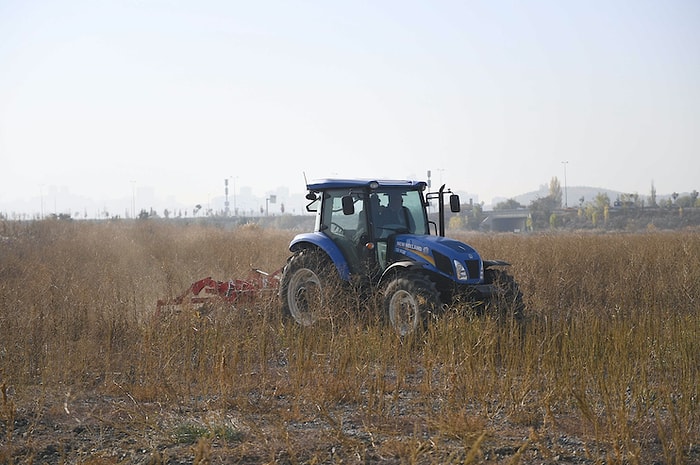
[344,221]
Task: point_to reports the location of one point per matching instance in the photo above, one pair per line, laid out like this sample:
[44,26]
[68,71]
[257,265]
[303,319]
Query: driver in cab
[395,216]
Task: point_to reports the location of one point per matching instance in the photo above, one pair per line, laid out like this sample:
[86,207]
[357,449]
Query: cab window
[335,221]
[400,210]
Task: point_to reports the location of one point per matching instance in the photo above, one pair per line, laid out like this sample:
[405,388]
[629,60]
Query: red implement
[208,290]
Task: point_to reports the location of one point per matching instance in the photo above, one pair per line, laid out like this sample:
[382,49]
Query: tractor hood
[449,257]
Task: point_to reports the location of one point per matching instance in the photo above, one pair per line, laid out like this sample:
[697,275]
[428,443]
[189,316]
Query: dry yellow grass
[605,370]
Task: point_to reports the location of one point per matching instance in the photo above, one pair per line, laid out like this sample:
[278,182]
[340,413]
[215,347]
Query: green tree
[628,200]
[598,208]
[602,201]
[555,191]
[541,209]
[685,201]
[476,217]
[456,222]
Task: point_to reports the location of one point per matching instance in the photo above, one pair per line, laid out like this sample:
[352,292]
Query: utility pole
[566,194]
[226,210]
[133,199]
[235,208]
[41,193]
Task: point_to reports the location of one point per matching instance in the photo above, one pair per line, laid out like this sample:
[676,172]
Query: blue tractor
[377,236]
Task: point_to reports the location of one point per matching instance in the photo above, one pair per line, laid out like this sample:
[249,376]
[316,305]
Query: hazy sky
[99,97]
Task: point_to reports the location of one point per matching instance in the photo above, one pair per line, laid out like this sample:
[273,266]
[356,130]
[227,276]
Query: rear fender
[323,242]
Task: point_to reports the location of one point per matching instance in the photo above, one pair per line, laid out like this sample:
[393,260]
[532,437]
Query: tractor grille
[443,263]
[473,269]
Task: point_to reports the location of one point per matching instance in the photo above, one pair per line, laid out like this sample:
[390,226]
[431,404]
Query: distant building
[506,220]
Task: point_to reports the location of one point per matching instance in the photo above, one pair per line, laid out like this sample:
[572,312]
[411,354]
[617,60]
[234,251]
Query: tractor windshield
[398,211]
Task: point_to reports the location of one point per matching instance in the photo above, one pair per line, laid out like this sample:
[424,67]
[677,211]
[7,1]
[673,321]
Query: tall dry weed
[609,350]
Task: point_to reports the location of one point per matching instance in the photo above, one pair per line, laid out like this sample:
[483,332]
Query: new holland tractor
[376,237]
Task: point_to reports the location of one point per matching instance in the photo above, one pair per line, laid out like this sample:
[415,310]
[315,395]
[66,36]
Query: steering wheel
[337,229]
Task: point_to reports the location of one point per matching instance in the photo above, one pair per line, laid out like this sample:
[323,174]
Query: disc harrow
[208,292]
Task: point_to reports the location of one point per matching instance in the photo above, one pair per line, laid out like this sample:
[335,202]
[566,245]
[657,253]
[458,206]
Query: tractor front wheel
[408,299]
[301,288]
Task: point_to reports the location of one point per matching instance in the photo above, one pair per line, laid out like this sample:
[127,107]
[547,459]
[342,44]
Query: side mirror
[348,205]
[311,207]
[454,203]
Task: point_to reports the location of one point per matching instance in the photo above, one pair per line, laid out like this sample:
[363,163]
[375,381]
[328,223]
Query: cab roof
[323,184]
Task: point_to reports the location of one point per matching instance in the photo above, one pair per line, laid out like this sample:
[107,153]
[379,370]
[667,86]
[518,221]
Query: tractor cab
[363,219]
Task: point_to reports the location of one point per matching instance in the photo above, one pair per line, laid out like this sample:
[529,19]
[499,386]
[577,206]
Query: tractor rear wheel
[302,286]
[408,299]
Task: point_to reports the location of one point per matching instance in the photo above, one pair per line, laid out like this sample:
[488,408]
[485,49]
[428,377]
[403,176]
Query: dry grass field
[605,370]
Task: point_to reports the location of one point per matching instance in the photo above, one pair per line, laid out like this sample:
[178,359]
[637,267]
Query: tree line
[627,211]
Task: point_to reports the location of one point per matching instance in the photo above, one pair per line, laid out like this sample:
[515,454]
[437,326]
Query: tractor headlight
[461,272]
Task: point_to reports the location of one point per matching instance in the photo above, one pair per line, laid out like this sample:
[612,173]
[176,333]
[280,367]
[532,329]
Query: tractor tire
[302,286]
[408,300]
[508,300]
